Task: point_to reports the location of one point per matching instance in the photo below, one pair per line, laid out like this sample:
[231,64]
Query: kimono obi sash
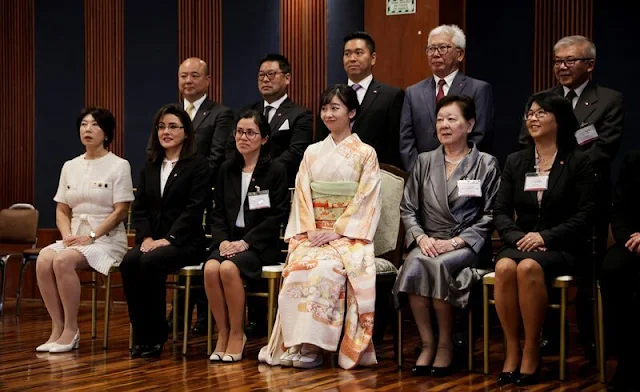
[330,199]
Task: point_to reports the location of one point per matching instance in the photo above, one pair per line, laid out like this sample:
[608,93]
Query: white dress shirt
[448,81]
[364,84]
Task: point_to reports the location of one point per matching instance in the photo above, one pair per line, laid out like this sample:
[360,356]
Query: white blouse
[246,180]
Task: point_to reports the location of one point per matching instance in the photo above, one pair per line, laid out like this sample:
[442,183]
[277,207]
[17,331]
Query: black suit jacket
[565,216]
[625,217]
[213,124]
[288,145]
[262,226]
[177,214]
[604,108]
[378,121]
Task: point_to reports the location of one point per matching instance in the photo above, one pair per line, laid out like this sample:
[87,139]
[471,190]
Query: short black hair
[265,131]
[363,36]
[156,151]
[105,120]
[563,112]
[284,64]
[465,103]
[345,94]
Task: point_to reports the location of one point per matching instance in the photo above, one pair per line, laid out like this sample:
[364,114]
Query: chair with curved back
[18,226]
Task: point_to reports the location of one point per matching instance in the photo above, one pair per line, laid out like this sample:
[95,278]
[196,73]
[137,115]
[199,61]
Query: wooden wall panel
[104,61]
[200,35]
[17,92]
[401,40]
[555,19]
[303,40]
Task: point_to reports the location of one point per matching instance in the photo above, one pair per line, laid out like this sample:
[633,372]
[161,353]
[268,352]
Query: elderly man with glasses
[445,52]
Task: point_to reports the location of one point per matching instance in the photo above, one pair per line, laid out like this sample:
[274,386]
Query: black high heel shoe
[530,379]
[508,377]
[421,370]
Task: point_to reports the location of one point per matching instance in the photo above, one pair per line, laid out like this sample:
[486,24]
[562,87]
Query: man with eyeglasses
[291,133]
[445,52]
[212,124]
[378,120]
[291,124]
[600,115]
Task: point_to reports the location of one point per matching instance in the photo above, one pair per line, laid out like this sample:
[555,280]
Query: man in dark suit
[378,120]
[445,52]
[619,277]
[212,123]
[291,133]
[600,115]
[291,124]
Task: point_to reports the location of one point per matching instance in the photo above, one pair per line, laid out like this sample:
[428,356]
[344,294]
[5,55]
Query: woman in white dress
[93,198]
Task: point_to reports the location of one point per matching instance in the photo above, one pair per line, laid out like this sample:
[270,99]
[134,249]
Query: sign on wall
[399,7]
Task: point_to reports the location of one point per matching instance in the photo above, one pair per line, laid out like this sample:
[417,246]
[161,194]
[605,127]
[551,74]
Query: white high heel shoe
[44,348]
[63,348]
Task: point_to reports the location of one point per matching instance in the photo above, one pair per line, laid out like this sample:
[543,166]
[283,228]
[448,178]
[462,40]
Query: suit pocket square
[284,126]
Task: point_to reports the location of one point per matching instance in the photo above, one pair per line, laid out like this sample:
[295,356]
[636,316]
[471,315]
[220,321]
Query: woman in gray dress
[446,211]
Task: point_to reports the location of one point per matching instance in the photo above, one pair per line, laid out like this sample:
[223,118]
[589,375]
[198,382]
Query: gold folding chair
[562,283]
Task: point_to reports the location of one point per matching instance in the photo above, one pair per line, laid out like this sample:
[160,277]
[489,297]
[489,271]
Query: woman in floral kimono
[334,217]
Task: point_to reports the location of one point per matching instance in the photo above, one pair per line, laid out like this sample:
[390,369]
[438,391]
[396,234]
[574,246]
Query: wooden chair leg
[94,303]
[399,344]
[175,309]
[107,310]
[272,300]
[25,261]
[187,294]
[130,337]
[485,324]
[209,331]
[470,337]
[600,342]
[563,332]
[4,283]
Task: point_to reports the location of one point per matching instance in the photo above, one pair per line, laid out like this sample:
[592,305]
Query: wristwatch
[92,235]
[454,243]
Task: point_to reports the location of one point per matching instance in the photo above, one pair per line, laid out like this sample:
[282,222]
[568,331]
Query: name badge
[536,182]
[586,134]
[469,188]
[259,199]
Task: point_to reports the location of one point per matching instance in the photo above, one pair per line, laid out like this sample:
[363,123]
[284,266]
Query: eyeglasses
[442,49]
[170,127]
[238,133]
[537,114]
[569,62]
[270,74]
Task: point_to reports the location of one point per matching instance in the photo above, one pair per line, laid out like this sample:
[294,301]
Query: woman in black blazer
[174,189]
[550,187]
[251,200]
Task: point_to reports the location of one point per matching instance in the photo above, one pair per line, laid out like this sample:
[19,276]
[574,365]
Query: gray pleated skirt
[448,277]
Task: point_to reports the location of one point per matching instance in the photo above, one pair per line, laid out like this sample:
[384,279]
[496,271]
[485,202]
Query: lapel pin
[175,174]
[279,114]
[562,162]
[586,103]
[375,91]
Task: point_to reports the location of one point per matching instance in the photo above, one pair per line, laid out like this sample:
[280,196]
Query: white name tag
[536,182]
[469,188]
[259,200]
[586,134]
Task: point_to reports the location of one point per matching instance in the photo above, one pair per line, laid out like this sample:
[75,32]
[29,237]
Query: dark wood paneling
[555,19]
[303,38]
[104,61]
[401,40]
[200,35]
[17,92]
